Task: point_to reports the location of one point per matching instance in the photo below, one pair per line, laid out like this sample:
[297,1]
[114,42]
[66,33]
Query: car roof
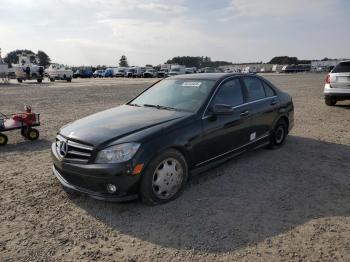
[207,76]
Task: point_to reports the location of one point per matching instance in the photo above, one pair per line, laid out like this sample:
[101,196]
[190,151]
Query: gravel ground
[291,204]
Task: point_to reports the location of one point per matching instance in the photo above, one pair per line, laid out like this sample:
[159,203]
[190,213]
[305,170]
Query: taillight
[328,79]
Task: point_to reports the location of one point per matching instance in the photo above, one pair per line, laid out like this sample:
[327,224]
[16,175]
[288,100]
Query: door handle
[273,102]
[244,113]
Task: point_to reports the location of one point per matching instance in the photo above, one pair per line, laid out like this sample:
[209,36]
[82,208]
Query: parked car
[207,70]
[83,73]
[120,72]
[134,72]
[163,72]
[337,86]
[189,70]
[109,72]
[179,125]
[59,72]
[99,73]
[150,72]
[177,70]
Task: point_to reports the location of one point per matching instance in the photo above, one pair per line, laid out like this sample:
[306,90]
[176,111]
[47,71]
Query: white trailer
[59,72]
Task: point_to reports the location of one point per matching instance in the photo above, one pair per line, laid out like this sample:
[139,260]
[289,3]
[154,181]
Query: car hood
[117,122]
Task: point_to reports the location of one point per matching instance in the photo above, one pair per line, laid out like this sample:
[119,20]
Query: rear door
[340,76]
[264,105]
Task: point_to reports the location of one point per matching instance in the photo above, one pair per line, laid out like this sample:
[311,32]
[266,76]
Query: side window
[230,93]
[268,90]
[255,88]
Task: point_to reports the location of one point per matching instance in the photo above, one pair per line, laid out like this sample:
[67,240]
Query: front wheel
[279,134]
[32,134]
[39,80]
[164,178]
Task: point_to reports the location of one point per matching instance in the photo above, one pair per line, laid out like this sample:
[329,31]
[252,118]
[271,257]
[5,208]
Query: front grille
[73,151]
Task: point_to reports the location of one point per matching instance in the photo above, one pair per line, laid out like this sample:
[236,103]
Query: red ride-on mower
[24,121]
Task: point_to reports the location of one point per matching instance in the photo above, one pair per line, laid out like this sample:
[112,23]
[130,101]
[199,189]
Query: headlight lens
[117,154]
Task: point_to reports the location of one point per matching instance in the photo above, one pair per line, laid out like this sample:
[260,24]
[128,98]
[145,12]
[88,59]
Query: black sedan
[183,124]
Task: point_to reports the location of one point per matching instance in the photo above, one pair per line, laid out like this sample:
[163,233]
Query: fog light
[111,188]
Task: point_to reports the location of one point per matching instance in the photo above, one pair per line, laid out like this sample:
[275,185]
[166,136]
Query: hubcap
[2,140]
[167,178]
[279,135]
[32,134]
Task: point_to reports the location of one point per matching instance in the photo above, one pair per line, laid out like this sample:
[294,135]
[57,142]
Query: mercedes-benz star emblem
[63,148]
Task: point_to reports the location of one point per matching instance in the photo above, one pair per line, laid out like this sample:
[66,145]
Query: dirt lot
[291,204]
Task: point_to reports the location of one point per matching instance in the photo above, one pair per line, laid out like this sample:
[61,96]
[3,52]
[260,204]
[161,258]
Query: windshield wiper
[162,107]
[134,105]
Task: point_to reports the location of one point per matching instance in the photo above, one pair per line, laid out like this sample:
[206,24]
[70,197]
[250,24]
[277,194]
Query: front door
[223,133]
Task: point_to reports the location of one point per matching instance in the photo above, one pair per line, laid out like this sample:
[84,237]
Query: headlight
[117,154]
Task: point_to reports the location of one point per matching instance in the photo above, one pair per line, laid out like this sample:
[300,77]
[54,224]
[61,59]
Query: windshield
[178,94]
[175,69]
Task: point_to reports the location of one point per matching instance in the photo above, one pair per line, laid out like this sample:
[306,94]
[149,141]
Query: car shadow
[26,146]
[343,106]
[249,199]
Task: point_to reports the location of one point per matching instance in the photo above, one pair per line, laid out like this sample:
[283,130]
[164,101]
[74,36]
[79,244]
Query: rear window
[268,90]
[343,67]
[255,88]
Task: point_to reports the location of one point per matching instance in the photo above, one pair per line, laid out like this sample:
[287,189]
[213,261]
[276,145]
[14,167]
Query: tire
[330,101]
[3,139]
[52,79]
[154,187]
[69,79]
[32,134]
[39,80]
[19,80]
[279,134]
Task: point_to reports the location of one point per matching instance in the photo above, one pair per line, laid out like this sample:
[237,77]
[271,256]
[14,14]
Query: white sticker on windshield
[192,84]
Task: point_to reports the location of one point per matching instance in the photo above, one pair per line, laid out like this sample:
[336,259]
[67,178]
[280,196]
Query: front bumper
[92,179]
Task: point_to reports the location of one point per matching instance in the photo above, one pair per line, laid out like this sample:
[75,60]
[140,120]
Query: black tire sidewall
[330,101]
[146,191]
[5,141]
[32,130]
[273,142]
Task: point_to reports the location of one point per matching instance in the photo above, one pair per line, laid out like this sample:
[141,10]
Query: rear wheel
[164,178]
[279,134]
[3,139]
[32,134]
[52,79]
[69,79]
[330,101]
[39,80]
[19,80]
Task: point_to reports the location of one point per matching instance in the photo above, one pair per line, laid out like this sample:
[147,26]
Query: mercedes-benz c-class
[181,125]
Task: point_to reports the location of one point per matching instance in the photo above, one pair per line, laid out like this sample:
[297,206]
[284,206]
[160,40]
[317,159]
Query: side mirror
[221,109]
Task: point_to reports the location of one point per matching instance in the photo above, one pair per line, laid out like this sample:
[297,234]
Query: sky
[99,32]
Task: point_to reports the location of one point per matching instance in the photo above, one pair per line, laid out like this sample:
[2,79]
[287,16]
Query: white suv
[337,86]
